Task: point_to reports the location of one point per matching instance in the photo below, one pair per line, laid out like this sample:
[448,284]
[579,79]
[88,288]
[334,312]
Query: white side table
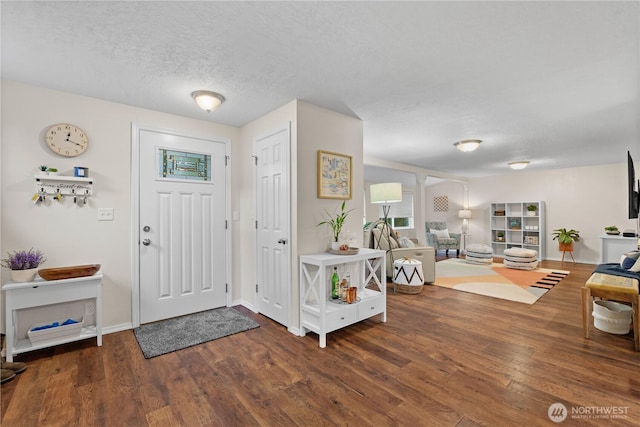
[42,293]
[319,313]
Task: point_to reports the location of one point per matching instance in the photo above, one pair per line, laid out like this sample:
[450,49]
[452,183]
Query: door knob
[282,241]
[146,242]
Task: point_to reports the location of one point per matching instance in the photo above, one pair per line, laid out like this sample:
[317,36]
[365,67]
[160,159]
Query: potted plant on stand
[565,240]
[336,221]
[23,264]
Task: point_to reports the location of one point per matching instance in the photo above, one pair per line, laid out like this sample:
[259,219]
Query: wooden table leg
[586,308]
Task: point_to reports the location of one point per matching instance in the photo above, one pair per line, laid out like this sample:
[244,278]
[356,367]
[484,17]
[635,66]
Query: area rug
[496,280]
[178,333]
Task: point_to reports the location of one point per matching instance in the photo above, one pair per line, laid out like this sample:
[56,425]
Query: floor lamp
[385,193]
[465,215]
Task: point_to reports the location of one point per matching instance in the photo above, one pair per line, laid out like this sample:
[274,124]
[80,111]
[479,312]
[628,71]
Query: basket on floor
[408,289]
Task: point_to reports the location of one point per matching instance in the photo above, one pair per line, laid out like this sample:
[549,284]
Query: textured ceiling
[555,83]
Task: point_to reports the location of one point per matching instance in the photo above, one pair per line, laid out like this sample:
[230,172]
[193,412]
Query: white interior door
[273,226]
[182,234]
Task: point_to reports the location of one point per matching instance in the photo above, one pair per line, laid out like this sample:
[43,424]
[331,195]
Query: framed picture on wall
[334,176]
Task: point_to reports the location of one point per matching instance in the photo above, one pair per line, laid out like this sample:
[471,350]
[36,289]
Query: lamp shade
[464,214]
[207,100]
[387,192]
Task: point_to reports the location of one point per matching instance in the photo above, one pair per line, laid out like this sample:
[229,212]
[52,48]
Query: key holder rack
[60,187]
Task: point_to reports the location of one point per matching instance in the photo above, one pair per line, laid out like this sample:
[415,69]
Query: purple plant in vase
[23,260]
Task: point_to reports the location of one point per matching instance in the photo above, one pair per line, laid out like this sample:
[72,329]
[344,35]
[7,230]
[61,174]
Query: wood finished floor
[444,358]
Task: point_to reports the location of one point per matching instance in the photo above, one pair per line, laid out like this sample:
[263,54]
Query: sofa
[382,236]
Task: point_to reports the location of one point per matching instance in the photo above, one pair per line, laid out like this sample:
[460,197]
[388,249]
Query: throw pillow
[405,242]
[441,234]
[385,242]
[631,261]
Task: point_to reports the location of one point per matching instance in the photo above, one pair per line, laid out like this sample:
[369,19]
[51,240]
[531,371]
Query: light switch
[105,214]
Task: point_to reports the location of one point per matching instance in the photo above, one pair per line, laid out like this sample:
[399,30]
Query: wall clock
[66,139]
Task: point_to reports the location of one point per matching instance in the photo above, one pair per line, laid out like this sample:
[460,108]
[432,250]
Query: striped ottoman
[479,253]
[520,258]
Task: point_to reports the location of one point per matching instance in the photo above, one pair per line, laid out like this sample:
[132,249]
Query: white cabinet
[42,296]
[513,224]
[319,313]
[613,247]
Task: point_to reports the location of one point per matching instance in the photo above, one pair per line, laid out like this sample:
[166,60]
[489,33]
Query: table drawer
[370,307]
[340,318]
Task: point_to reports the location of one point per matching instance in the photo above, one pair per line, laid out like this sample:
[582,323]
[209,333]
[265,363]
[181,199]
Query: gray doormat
[174,334]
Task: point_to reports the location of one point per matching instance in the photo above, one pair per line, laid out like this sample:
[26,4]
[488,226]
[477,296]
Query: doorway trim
[135,211]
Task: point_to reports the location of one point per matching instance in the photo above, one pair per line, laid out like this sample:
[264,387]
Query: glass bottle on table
[344,285]
[335,284]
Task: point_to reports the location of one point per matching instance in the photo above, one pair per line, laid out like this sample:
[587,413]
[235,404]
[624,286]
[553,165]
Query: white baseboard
[245,304]
[117,328]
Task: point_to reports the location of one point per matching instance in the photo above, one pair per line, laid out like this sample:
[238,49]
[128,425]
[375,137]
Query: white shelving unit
[42,294]
[519,228]
[319,313]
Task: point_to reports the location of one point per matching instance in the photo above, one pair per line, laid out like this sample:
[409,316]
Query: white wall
[455,192]
[70,234]
[321,129]
[586,199]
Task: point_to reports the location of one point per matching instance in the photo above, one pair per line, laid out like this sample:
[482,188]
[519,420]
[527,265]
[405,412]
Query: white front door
[273,226]
[182,235]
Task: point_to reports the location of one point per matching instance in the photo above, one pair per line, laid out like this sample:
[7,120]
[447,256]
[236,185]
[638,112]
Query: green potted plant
[52,171]
[499,236]
[23,264]
[43,169]
[566,238]
[612,229]
[532,210]
[336,221]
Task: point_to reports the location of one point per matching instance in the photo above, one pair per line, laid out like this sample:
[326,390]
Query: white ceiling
[555,83]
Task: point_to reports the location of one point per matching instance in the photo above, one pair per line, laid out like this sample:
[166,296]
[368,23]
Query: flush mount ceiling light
[207,100]
[467,145]
[518,165]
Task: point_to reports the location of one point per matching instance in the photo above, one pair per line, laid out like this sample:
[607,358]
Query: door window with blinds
[401,213]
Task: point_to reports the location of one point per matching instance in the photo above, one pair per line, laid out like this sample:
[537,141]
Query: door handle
[146,242]
[282,241]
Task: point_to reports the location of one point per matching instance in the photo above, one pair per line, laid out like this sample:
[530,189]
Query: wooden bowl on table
[71,272]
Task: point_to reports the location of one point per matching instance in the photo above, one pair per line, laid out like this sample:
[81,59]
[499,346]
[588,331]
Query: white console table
[320,314]
[613,247]
[43,293]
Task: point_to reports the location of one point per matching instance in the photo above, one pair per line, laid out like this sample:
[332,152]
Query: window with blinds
[401,213]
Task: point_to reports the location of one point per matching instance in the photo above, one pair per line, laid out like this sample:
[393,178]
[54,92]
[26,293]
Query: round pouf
[478,253]
[520,258]
[407,276]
